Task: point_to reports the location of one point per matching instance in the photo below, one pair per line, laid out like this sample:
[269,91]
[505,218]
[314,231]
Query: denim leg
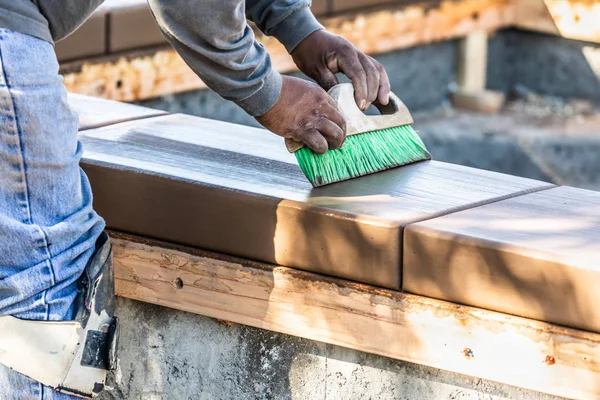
[14,386]
[47,225]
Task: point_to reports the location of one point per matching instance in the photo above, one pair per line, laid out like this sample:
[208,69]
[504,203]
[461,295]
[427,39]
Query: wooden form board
[488,345]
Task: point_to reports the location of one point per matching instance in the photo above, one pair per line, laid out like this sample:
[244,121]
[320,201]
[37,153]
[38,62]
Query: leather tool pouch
[70,356]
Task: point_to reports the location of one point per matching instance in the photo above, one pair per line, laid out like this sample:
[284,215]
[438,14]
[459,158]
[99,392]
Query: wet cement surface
[536,256]
[238,191]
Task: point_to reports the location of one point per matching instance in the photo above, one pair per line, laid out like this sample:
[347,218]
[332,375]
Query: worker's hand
[306,113]
[322,55]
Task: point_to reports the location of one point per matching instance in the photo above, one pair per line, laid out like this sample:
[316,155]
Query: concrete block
[347,5]
[236,190]
[132,26]
[546,64]
[535,256]
[88,40]
[320,7]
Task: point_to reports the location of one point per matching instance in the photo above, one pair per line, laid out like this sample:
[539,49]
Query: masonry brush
[374,143]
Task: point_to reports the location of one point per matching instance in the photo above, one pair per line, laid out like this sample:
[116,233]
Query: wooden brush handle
[395,113]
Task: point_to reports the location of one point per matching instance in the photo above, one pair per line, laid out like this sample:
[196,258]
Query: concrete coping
[484,239]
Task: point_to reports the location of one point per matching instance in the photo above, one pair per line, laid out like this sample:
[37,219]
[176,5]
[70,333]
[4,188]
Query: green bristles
[363,154]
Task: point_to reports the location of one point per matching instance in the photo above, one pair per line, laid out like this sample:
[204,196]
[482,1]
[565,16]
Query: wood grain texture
[94,112]
[536,256]
[572,19]
[397,27]
[466,340]
[238,191]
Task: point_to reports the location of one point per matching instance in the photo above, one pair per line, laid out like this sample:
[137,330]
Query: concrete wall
[546,64]
[167,354]
[561,150]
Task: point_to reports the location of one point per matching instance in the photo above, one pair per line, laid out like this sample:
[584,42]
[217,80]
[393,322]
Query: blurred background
[505,85]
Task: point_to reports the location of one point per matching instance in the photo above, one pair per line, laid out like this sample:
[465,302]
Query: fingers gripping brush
[374,143]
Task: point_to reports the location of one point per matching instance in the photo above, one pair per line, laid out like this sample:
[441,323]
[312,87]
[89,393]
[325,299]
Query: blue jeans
[47,225]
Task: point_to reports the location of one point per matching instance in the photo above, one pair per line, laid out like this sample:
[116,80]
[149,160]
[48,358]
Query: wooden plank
[572,19]
[488,345]
[407,25]
[533,15]
[141,75]
[536,256]
[160,72]
[472,62]
[471,76]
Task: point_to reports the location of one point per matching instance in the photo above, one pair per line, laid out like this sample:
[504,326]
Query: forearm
[213,38]
[290,21]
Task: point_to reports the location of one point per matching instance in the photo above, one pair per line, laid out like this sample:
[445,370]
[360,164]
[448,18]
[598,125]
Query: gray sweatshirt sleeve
[290,21]
[213,38]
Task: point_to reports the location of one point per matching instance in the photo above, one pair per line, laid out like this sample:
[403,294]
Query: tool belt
[72,357]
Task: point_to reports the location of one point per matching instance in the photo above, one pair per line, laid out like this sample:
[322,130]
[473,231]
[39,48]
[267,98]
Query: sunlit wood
[572,19]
